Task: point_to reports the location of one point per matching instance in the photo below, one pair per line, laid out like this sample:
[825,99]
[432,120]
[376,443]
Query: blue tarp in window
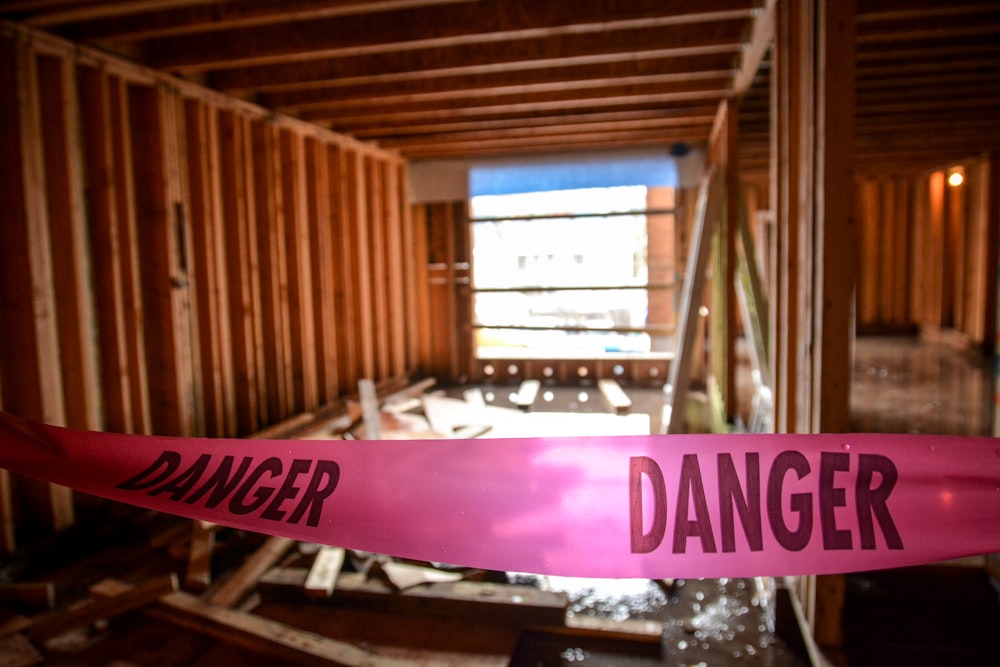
[503,179]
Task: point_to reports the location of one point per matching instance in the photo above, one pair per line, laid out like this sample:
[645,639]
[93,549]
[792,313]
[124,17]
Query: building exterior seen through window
[570,273]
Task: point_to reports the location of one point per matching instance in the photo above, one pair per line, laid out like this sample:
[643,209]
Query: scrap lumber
[245,578]
[370,413]
[55,624]
[615,395]
[199,568]
[38,595]
[17,651]
[527,393]
[276,640]
[501,604]
[324,572]
[11,623]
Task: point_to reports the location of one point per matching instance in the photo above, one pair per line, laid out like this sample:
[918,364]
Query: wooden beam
[128,233]
[464,24]
[761,39]
[539,80]
[623,45]
[144,19]
[586,98]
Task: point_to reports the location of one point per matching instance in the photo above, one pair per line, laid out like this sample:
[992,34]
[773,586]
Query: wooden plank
[527,393]
[500,604]
[323,574]
[370,413]
[302,339]
[240,583]
[17,651]
[276,640]
[53,625]
[615,395]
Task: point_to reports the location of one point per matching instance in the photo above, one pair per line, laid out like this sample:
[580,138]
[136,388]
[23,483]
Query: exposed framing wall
[178,262]
[929,253]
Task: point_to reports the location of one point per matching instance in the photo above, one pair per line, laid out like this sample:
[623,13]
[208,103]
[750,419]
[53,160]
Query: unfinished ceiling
[459,78]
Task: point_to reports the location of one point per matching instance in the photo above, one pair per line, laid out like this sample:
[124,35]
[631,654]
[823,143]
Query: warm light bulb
[955,179]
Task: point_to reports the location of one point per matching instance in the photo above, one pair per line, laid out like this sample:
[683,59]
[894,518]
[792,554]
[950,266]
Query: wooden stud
[208,262]
[396,266]
[68,228]
[163,247]
[361,281]
[377,258]
[321,257]
[105,242]
[272,265]
[128,232]
[29,353]
[345,304]
[239,250]
[302,334]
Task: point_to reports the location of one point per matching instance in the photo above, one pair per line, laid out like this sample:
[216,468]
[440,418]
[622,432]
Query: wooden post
[813,112]
[29,344]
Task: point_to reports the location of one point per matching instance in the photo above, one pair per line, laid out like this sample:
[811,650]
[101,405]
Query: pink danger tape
[633,506]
